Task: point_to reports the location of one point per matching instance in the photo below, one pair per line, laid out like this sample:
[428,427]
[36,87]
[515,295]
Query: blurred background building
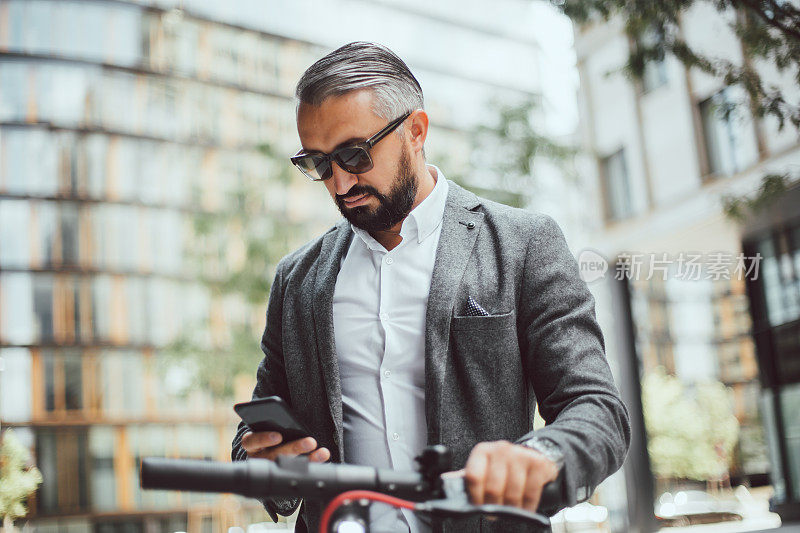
[120,124]
[662,157]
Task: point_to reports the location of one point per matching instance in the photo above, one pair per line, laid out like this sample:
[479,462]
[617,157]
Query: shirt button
[384,316]
[387,373]
[389,260]
[395,436]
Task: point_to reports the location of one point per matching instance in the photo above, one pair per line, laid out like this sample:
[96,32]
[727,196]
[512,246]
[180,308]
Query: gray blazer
[483,374]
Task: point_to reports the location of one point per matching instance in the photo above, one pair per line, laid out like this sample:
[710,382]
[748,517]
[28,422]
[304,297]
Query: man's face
[377,199]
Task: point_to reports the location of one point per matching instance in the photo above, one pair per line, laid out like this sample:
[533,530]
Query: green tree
[511,147]
[772,187]
[233,255]
[769,30]
[691,434]
[17,480]
[721,425]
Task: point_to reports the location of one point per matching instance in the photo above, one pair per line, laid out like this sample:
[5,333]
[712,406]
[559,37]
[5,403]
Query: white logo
[592,265]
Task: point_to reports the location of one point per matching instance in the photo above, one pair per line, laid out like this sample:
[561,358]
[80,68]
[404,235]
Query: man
[428,315]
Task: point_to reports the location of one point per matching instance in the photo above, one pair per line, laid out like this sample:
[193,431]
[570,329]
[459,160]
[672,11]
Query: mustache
[358,190]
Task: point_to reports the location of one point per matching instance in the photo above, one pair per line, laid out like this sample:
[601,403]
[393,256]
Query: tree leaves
[234,253]
[510,148]
[773,186]
[691,433]
[767,29]
[17,479]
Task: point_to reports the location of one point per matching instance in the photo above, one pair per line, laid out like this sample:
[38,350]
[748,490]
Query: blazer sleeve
[270,381]
[565,352]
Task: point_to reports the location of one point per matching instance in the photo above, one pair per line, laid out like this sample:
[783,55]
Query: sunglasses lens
[354,159]
[314,166]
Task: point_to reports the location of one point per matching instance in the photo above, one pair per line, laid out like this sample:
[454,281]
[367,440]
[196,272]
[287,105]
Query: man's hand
[509,474]
[267,445]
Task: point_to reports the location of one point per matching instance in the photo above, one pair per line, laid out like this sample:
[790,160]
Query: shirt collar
[423,219]
[430,211]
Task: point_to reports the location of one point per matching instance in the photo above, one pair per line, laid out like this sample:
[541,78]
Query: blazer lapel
[334,246]
[460,228]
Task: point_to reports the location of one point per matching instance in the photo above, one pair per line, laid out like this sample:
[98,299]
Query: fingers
[255,442]
[507,474]
[475,472]
[295,447]
[515,484]
[532,493]
[267,445]
[496,477]
[320,456]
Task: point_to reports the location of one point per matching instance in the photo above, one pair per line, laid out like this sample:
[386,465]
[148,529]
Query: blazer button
[470,225]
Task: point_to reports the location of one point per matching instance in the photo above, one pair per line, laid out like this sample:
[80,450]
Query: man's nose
[343,181]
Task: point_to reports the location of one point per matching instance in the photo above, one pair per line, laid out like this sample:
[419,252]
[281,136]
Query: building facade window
[68,224]
[729,143]
[43,307]
[15,238]
[781,275]
[62,457]
[655,71]
[45,224]
[47,308]
[655,75]
[63,380]
[616,186]
[15,385]
[94,385]
[141,104]
[16,292]
[102,443]
[790,405]
[122,379]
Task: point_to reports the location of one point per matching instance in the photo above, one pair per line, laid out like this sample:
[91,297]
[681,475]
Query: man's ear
[417,130]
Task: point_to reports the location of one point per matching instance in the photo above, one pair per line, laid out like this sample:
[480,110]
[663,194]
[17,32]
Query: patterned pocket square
[475,309]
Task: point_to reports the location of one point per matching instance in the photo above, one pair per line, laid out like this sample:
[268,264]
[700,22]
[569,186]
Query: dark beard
[391,209]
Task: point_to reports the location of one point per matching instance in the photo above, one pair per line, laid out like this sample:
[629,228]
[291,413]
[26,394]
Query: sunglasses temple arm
[387,130]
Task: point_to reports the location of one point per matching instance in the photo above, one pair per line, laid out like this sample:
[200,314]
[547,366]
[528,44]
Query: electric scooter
[349,489]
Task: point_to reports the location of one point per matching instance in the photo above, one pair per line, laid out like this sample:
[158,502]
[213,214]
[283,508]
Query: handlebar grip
[177,474]
[257,478]
[552,499]
[202,476]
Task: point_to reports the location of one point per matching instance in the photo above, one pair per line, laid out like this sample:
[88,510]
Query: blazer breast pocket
[481,323]
[486,366]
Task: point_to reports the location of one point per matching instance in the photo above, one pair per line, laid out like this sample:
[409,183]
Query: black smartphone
[271,414]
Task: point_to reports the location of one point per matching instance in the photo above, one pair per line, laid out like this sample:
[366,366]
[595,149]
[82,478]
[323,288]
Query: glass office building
[117,123]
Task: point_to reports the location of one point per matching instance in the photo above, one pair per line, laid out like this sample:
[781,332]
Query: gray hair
[362,65]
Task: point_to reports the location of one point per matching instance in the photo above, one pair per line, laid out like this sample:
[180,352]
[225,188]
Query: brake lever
[451,508]
[456,503]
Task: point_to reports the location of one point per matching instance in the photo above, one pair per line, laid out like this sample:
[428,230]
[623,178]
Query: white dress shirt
[379,307]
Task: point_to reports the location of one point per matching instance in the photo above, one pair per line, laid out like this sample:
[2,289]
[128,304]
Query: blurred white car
[688,507]
[582,517]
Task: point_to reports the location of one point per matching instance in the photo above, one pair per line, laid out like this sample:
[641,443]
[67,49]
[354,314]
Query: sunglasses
[352,158]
